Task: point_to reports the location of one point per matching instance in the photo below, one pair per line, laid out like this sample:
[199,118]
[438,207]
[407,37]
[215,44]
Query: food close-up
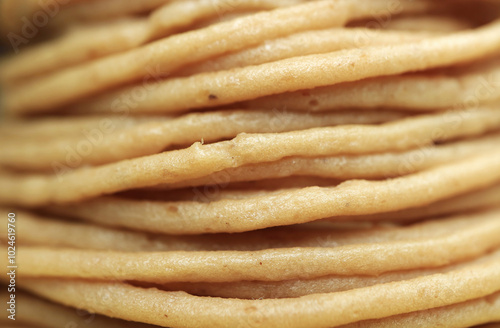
[250,163]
